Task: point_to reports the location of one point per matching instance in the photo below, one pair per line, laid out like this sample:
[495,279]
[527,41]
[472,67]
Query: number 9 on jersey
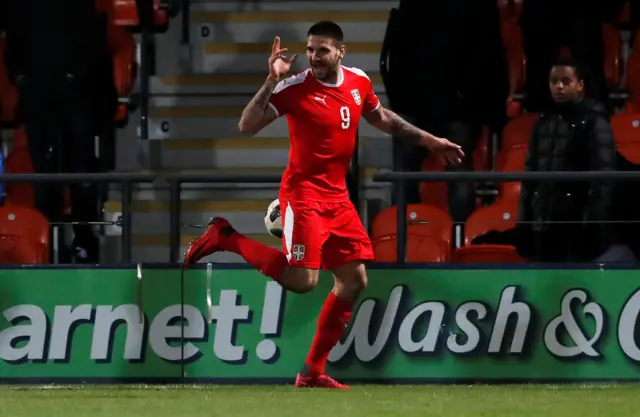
[345,114]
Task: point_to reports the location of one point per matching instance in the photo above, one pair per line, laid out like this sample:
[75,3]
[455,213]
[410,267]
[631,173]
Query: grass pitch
[281,401]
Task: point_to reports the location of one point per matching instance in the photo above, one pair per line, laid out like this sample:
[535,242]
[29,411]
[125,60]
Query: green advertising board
[411,325]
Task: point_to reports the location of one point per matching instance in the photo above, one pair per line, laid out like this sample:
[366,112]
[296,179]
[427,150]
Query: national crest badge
[356,96]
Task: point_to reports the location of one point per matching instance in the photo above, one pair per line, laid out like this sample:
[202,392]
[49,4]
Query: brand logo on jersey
[356,96]
[323,99]
[298,252]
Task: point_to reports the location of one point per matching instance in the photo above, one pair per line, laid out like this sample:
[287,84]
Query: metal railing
[126,181]
[175,187]
[399,178]
[174,183]
[145,13]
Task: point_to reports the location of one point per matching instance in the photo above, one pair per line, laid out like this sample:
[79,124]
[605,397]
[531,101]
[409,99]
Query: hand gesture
[447,150]
[279,66]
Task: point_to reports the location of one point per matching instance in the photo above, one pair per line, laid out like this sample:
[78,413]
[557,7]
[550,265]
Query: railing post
[145,13]
[186,21]
[125,250]
[401,206]
[174,220]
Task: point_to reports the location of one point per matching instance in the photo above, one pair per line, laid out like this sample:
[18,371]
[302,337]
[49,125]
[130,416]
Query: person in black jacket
[561,221]
[54,55]
[447,74]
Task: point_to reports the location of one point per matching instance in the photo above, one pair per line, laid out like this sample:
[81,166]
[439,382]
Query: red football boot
[318,381]
[211,241]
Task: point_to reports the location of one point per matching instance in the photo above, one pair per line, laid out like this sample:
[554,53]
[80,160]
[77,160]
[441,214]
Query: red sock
[271,262]
[333,320]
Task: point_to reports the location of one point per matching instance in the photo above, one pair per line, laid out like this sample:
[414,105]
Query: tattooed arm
[396,126]
[259,113]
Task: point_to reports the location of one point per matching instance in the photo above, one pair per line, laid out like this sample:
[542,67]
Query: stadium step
[186,117]
[224,152]
[263,152]
[251,57]
[251,26]
[223,83]
[228,41]
[181,124]
[151,219]
[197,118]
[230,191]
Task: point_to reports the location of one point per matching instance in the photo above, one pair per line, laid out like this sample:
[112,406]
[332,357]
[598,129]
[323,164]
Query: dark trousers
[461,195]
[61,127]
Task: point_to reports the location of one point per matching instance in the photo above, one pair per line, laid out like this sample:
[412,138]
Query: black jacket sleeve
[599,209]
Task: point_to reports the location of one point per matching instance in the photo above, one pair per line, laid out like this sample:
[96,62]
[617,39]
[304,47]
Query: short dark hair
[327,28]
[572,63]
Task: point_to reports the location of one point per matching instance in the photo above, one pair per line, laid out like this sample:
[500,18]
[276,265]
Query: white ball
[273,219]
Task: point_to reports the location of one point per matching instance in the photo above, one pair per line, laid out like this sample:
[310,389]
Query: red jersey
[323,119]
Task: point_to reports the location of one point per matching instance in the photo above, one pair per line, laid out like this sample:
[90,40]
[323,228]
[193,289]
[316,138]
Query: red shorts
[320,234]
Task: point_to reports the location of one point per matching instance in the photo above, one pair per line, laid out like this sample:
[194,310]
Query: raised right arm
[259,113]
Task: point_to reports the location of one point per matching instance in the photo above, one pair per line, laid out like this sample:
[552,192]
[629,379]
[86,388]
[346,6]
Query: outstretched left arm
[389,122]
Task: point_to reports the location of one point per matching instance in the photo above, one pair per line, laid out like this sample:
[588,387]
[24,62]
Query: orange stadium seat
[434,193]
[518,130]
[511,160]
[121,13]
[8,92]
[125,13]
[429,234]
[487,254]
[612,55]
[19,139]
[626,131]
[499,217]
[123,49]
[511,33]
[24,236]
[481,153]
[633,76]
[19,162]
[420,249]
[509,189]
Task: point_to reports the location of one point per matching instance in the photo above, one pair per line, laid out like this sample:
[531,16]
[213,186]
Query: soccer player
[323,105]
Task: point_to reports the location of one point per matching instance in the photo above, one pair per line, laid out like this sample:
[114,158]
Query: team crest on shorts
[297,252]
[356,96]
